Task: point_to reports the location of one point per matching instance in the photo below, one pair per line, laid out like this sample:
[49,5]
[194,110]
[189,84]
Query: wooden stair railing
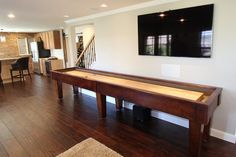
[88,55]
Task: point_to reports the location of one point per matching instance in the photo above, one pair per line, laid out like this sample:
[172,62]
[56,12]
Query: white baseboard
[172,119]
[223,135]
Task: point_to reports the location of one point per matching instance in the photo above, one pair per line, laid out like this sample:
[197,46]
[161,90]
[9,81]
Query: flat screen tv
[44,53]
[179,33]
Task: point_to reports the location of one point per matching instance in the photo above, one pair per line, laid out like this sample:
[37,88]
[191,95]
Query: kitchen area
[44,49]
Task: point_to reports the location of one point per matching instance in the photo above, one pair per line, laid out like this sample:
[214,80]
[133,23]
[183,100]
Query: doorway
[84,34]
[79,43]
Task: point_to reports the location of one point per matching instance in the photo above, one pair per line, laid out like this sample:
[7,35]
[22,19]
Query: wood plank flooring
[34,123]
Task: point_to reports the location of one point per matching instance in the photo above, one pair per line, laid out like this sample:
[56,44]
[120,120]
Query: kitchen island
[6,61]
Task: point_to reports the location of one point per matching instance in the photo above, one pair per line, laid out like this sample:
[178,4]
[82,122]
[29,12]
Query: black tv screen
[44,53]
[180,33]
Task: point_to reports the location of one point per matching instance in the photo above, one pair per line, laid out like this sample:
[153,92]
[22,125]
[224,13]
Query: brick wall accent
[10,47]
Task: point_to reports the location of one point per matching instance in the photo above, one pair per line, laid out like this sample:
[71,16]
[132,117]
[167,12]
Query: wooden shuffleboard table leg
[118,103]
[195,138]
[101,103]
[59,89]
[75,89]
[206,132]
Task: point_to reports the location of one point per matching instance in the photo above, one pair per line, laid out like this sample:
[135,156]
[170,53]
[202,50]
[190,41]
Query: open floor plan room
[117,78]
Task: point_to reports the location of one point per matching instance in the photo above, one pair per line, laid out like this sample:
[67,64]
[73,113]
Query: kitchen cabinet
[54,39]
[51,39]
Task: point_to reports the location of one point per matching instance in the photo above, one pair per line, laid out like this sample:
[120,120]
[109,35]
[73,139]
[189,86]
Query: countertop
[6,58]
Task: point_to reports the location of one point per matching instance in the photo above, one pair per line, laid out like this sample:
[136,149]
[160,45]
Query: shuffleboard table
[196,103]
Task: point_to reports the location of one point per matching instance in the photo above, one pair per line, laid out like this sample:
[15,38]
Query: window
[206,40]
[164,45]
[150,45]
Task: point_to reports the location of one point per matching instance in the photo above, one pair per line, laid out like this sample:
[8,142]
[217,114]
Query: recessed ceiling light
[103,5]
[66,16]
[11,16]
[182,20]
[162,15]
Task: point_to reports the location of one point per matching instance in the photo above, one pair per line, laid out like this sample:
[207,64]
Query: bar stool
[20,65]
[1,81]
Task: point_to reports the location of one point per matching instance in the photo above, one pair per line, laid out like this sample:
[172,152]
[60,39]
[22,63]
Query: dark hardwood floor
[33,122]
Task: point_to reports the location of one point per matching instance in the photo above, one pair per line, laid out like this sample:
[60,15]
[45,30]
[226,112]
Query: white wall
[87,30]
[117,51]
[71,46]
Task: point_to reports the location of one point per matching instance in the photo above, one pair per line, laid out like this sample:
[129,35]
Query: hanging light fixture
[2,37]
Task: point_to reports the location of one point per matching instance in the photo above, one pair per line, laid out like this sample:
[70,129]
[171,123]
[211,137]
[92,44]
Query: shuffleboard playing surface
[148,87]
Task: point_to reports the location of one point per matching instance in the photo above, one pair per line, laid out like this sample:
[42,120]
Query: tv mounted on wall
[180,33]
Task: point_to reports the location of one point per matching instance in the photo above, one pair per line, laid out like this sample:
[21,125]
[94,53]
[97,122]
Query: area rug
[89,148]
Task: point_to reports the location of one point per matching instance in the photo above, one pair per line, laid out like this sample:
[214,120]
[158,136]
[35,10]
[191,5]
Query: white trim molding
[120,10]
[171,118]
[223,135]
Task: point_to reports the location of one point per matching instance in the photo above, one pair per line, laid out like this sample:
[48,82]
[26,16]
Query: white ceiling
[41,15]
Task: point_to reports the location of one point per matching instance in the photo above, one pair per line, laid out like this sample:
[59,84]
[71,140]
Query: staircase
[88,55]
